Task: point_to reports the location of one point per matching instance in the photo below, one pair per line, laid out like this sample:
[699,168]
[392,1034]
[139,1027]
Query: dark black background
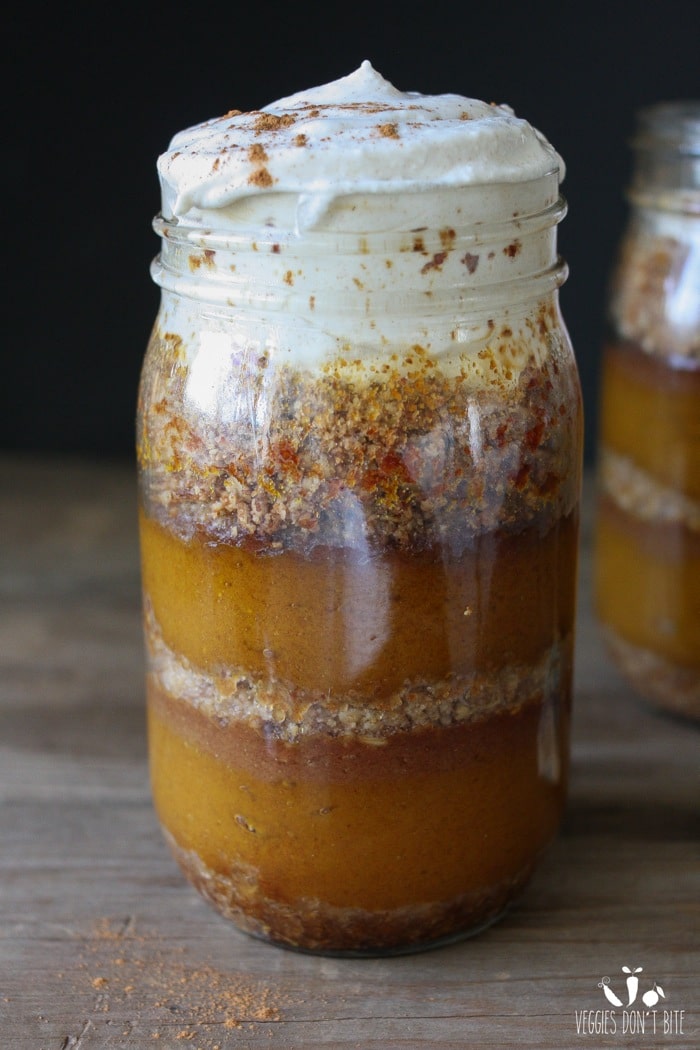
[95,93]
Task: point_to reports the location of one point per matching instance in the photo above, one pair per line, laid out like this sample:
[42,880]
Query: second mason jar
[359,447]
[648,523]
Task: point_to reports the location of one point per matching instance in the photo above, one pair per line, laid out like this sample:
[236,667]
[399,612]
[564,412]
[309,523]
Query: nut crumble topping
[319,458]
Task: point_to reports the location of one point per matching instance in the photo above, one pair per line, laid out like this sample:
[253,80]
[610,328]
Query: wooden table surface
[102,943]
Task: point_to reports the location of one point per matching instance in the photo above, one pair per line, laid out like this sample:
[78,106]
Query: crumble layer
[316,926]
[285,712]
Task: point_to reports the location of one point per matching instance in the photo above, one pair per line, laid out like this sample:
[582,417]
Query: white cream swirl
[357,221]
[351,153]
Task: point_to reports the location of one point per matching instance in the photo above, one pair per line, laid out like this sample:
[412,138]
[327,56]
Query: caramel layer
[428,816]
[337,620]
[648,583]
[650,413]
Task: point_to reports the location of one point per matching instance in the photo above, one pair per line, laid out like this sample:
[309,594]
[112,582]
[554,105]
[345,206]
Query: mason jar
[647,576]
[359,450]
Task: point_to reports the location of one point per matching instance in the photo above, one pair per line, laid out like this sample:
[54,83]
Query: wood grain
[102,944]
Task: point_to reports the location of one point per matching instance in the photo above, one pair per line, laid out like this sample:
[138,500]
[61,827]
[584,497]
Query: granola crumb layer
[234,695]
[405,457]
[317,927]
[642,496]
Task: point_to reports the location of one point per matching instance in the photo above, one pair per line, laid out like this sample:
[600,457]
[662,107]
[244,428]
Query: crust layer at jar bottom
[317,927]
[660,681]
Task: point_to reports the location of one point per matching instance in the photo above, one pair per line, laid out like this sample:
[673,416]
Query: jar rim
[249,236]
[673,125]
[426,269]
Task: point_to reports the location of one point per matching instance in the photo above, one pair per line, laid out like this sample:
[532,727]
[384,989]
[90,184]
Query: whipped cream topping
[347,154]
[365,220]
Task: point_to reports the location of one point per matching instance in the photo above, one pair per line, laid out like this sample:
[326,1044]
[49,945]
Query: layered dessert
[359,446]
[648,542]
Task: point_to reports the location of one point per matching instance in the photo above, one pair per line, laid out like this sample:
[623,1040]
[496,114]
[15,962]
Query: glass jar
[359,515]
[647,565]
